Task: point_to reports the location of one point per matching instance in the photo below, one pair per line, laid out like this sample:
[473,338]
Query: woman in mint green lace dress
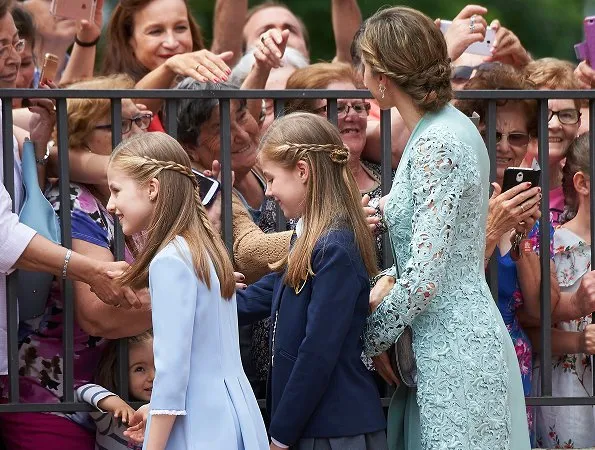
[469,395]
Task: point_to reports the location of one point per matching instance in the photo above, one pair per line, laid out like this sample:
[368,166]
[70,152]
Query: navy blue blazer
[318,386]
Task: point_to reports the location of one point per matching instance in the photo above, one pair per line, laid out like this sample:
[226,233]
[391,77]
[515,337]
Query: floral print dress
[510,299]
[572,376]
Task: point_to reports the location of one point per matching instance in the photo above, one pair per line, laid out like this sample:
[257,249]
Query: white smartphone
[477,48]
[208,187]
[74,9]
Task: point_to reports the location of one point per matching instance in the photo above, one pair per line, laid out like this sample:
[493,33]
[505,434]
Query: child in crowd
[572,376]
[318,299]
[201,397]
[114,413]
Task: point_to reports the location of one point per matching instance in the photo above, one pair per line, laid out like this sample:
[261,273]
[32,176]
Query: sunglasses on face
[565,116]
[142,121]
[515,139]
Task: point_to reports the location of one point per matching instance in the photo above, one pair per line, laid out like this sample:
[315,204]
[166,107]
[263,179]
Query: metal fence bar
[544,253]
[490,123]
[226,181]
[171,117]
[66,235]
[331,111]
[11,280]
[279,111]
[120,246]
[386,174]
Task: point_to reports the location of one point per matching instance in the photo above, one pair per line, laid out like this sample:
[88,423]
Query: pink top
[556,205]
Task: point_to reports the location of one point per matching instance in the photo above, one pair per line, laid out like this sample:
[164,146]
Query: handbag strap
[29,168]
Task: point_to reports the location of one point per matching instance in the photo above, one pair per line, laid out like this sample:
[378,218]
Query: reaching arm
[228,22]
[347,18]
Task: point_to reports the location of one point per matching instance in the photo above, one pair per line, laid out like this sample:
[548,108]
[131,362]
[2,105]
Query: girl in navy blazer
[320,395]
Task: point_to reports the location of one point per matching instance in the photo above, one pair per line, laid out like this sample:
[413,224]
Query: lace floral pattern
[434,214]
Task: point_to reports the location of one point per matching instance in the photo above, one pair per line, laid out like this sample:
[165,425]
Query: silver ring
[522,223]
[472,24]
[117,305]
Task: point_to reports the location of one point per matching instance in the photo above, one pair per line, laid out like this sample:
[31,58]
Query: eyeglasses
[565,116]
[142,121]
[361,109]
[18,46]
[514,139]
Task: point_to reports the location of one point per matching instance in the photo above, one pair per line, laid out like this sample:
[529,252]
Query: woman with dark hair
[469,387]
[157,41]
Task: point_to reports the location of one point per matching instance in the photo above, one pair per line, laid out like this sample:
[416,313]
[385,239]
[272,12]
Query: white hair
[291,57]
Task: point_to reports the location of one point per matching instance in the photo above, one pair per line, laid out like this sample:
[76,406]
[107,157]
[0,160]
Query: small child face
[141,370]
[133,205]
[287,186]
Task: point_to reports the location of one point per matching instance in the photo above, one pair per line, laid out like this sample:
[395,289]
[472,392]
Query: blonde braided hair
[178,210]
[183,170]
[339,154]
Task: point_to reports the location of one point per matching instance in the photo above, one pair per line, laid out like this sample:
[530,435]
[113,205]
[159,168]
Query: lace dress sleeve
[438,182]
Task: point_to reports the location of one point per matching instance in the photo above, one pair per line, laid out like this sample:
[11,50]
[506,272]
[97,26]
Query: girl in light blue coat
[201,398]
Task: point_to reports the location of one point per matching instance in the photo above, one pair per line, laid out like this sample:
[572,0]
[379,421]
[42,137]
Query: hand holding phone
[49,69]
[483,48]
[74,9]
[585,50]
[208,187]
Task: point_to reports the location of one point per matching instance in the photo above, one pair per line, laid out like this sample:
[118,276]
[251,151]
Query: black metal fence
[171,97]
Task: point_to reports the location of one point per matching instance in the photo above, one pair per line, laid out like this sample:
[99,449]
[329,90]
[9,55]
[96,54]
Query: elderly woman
[352,123]
[41,344]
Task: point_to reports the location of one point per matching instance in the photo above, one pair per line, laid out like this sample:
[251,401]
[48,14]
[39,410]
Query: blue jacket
[318,386]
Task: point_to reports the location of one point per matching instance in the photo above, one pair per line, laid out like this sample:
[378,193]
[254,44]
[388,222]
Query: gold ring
[262,39]
[197,68]
[522,208]
[117,305]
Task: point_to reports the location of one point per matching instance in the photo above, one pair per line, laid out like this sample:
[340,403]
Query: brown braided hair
[178,209]
[406,46]
[332,198]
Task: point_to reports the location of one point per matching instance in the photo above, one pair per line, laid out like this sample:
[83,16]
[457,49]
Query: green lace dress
[469,394]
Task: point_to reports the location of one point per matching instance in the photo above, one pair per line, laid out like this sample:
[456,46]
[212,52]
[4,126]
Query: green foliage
[545,27]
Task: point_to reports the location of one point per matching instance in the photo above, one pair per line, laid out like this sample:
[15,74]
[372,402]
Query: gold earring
[382,89]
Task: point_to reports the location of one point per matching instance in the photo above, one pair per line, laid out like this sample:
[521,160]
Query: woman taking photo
[469,386]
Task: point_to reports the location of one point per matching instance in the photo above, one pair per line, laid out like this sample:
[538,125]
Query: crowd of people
[306,316]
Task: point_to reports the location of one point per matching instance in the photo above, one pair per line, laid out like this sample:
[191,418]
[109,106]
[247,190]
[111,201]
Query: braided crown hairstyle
[332,198]
[406,46]
[178,209]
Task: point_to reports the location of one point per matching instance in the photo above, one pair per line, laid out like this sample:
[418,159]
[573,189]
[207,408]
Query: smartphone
[585,51]
[49,69]
[74,9]
[483,48]
[208,187]
[513,176]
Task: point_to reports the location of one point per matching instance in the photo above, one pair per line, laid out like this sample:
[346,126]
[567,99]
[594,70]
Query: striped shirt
[110,434]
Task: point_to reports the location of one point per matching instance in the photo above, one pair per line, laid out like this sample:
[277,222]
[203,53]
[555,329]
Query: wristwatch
[44,159]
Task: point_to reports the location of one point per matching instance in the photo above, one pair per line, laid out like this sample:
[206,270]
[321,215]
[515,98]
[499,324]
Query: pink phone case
[586,50]
[74,9]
